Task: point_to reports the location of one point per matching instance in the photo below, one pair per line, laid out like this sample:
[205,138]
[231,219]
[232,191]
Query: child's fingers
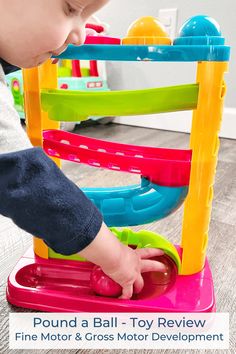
[138,284]
[127,292]
[148,265]
[149,252]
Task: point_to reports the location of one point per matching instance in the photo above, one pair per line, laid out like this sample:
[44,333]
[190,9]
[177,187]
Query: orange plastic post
[35,79]
[204,142]
[32,105]
[40,248]
[48,77]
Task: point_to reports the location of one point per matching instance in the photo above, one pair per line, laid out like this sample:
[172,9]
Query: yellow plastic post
[32,105]
[66,63]
[204,142]
[35,79]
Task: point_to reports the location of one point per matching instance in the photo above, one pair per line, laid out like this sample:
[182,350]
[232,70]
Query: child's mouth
[55,61]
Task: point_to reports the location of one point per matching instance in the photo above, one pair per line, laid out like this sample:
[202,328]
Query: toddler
[34,192]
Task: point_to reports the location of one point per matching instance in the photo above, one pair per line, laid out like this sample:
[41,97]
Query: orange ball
[146,30]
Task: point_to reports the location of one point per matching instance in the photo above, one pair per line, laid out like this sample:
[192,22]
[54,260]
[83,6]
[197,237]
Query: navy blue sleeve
[40,199]
[8,68]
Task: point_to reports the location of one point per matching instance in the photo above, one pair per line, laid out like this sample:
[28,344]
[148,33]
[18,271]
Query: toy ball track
[164,176]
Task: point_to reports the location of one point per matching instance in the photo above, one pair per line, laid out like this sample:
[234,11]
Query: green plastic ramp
[77,106]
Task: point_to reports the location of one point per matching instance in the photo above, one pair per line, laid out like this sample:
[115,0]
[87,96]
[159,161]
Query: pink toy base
[56,285]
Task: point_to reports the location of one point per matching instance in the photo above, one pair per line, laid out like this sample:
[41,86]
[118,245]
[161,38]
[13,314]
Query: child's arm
[35,194]
[12,136]
[40,199]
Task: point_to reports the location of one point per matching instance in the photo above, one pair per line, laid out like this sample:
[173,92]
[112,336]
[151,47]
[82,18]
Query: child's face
[31,31]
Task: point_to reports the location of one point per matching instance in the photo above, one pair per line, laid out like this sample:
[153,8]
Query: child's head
[32,30]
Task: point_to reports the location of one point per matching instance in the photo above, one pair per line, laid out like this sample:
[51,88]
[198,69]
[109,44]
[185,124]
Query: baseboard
[180,122]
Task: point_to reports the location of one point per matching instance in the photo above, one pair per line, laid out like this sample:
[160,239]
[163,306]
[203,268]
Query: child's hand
[121,263]
[127,272]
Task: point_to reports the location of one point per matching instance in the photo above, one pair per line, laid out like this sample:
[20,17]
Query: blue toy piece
[200,25]
[173,53]
[200,30]
[137,204]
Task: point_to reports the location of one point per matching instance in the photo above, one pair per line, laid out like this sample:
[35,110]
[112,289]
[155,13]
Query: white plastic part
[168,17]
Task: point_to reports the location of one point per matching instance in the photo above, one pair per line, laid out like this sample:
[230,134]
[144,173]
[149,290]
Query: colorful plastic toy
[147,31]
[167,167]
[148,101]
[44,280]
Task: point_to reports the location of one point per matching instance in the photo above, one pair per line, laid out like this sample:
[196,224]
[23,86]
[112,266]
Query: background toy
[47,281]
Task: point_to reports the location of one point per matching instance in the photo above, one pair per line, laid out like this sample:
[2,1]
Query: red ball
[102,285]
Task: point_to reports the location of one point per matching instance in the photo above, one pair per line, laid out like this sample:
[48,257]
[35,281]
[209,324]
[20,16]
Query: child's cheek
[51,39]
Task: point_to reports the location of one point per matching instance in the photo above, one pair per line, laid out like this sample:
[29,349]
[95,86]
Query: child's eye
[70,10]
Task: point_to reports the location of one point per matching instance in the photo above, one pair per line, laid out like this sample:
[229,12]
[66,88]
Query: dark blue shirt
[8,68]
